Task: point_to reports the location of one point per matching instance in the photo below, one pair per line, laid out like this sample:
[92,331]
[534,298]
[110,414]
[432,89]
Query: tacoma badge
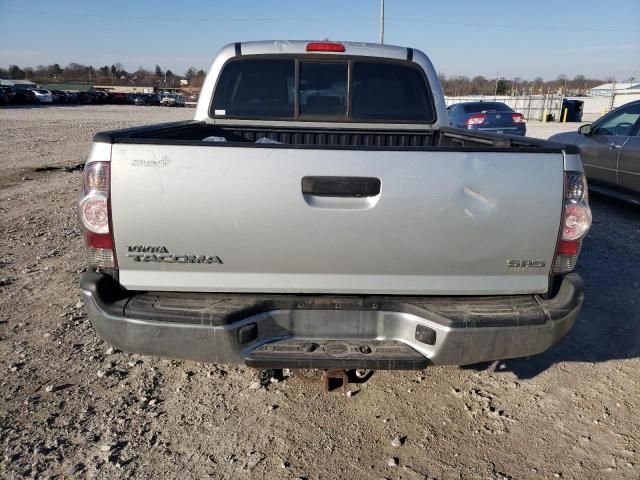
[160,254]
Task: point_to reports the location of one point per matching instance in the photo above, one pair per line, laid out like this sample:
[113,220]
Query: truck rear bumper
[380,332]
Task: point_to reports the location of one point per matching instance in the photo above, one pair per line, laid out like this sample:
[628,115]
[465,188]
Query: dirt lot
[71,406]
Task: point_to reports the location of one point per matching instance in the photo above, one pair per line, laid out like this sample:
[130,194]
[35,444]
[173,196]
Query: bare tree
[16,73]
[190,73]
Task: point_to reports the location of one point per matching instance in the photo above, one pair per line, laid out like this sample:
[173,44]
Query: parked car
[9,93]
[118,98]
[57,96]
[4,98]
[101,97]
[18,95]
[87,98]
[71,97]
[43,96]
[154,99]
[146,99]
[495,117]
[331,226]
[81,98]
[172,100]
[610,150]
[23,95]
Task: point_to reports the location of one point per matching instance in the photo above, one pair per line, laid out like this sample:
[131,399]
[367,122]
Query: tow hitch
[335,380]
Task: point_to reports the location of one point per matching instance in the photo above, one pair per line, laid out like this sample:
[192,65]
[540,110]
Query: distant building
[69,87]
[18,83]
[607,88]
[125,88]
[184,82]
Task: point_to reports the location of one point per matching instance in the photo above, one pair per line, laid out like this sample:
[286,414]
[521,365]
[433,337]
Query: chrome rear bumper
[358,332]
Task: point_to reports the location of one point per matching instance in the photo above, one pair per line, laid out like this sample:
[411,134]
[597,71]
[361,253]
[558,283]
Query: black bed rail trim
[117,136]
[442,140]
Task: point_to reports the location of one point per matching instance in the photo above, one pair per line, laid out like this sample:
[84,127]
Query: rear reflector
[101,257]
[517,118]
[565,263]
[325,47]
[476,120]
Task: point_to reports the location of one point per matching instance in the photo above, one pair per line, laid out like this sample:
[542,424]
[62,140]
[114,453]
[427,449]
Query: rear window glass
[486,107]
[267,88]
[323,89]
[387,91]
[256,88]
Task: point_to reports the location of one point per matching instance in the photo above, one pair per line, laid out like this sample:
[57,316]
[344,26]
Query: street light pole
[381,21]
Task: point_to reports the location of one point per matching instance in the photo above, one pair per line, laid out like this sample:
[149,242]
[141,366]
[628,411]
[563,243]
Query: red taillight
[95,214]
[517,118]
[576,221]
[95,240]
[569,247]
[325,47]
[476,120]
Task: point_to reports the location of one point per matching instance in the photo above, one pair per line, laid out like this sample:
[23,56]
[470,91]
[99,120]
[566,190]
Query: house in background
[69,87]
[18,83]
[607,89]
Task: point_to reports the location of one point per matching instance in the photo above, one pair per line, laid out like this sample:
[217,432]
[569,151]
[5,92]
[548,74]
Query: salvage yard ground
[70,406]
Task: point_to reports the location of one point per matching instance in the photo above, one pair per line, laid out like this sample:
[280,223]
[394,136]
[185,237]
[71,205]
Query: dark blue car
[493,117]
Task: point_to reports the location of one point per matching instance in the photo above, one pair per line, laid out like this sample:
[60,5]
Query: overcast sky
[544,38]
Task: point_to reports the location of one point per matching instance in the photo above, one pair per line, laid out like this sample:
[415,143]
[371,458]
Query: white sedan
[172,100]
[43,96]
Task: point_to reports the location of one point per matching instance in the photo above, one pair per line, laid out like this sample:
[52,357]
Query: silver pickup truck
[318,212]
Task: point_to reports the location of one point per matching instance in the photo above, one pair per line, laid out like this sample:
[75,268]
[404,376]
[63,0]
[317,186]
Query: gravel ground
[71,406]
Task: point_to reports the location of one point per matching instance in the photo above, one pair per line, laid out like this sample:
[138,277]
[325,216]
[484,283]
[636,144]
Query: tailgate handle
[341,186]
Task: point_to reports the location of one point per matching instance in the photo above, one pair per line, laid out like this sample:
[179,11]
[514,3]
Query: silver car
[610,150]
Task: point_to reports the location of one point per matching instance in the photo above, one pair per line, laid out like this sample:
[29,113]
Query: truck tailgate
[235,219]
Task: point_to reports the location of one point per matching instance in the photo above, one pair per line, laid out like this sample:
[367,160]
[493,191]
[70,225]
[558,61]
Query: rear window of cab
[357,90]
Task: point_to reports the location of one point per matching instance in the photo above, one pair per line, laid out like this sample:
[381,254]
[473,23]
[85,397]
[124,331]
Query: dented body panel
[456,223]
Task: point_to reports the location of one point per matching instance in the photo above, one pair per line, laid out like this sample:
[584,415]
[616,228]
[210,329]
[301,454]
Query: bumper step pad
[336,354]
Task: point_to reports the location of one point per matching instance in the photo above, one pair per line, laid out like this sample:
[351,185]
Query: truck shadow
[608,327]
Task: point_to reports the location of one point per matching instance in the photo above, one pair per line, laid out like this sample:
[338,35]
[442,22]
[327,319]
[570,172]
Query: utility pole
[381,21]
[612,99]
[495,95]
